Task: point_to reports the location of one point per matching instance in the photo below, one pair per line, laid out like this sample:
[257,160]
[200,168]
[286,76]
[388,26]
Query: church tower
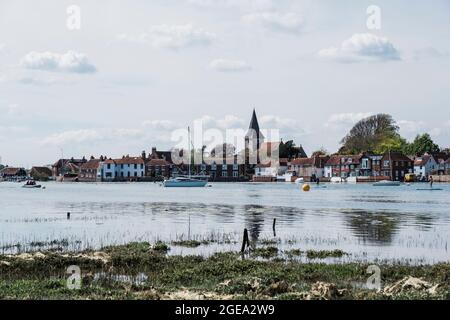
[253,141]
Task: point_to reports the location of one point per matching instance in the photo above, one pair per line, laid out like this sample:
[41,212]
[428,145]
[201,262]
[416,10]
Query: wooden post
[245,241]
[68,215]
[273,227]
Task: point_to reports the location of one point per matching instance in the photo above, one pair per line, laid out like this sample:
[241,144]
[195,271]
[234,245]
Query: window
[142,166]
[108,166]
[224,174]
[135,166]
[386,163]
[235,174]
[135,174]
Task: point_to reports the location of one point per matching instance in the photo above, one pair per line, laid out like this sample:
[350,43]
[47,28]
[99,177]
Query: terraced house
[125,169]
[343,166]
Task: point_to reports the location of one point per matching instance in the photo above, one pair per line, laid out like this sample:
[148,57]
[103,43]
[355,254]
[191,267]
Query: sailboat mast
[190,155]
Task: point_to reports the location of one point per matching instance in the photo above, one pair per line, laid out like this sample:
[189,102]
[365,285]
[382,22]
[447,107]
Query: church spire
[254,122]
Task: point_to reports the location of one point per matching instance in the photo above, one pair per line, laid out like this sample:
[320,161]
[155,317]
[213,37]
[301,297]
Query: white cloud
[289,22]
[241,4]
[362,47]
[71,61]
[344,120]
[91,135]
[224,65]
[160,124]
[171,36]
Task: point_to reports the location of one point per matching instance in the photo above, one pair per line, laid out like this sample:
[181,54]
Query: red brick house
[91,171]
[309,168]
[396,165]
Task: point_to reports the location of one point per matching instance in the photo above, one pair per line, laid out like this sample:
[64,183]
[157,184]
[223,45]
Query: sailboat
[189,181]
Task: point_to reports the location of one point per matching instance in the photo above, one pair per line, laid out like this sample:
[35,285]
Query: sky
[132,73]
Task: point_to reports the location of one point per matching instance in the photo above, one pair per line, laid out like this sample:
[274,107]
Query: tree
[395,143]
[369,133]
[423,144]
[287,149]
[321,152]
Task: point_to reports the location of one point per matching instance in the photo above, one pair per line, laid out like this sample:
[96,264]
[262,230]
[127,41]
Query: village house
[343,166]
[424,166]
[67,168]
[309,168]
[158,168]
[41,173]
[375,164]
[223,169]
[271,171]
[13,173]
[125,169]
[158,164]
[447,166]
[395,165]
[91,171]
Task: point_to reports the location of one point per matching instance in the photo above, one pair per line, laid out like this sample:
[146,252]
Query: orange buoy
[306,187]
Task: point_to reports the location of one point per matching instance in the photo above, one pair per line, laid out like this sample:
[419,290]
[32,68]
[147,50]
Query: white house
[266,170]
[127,168]
[109,171]
[130,167]
[424,166]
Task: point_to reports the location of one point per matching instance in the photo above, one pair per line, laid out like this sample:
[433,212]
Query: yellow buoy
[306,187]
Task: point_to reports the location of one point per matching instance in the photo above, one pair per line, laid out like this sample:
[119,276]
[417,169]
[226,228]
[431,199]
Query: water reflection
[373,227]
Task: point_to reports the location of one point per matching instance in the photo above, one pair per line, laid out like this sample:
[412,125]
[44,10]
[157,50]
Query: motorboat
[299,180]
[31,184]
[387,183]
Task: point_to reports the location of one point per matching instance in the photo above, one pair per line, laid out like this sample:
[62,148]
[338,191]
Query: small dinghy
[430,189]
[387,183]
[31,184]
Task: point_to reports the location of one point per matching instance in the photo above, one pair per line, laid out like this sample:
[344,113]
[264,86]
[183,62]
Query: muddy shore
[146,271]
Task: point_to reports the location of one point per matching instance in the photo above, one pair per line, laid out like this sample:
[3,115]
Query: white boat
[299,180]
[351,180]
[337,180]
[185,182]
[189,181]
[387,183]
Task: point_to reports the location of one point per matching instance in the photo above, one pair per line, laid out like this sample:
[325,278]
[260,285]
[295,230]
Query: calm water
[370,223]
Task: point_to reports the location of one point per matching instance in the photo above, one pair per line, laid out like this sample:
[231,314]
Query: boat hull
[184,184]
[387,184]
[32,187]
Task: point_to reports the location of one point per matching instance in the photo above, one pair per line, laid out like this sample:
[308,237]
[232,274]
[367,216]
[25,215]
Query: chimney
[144,156]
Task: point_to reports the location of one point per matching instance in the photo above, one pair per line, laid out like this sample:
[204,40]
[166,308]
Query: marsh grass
[144,271]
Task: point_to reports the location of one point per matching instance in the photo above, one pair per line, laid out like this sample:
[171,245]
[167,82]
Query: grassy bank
[144,271]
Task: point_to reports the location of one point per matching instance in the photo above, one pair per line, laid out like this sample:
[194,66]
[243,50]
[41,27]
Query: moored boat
[387,183]
[186,182]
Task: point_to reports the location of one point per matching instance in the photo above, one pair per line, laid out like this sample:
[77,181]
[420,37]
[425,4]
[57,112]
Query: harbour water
[370,223]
